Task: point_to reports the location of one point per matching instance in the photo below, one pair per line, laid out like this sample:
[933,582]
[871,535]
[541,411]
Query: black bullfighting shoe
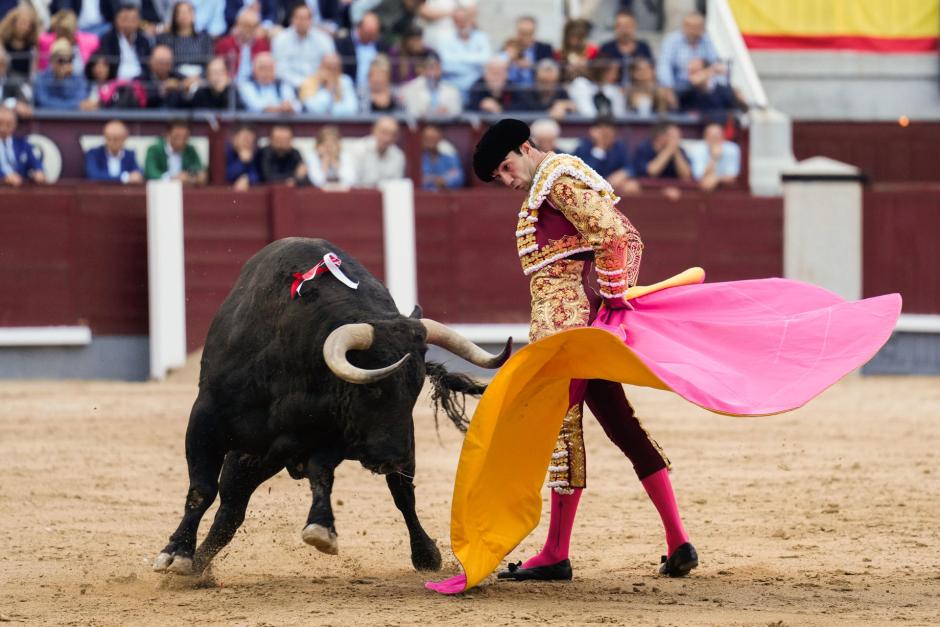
[682,560]
[560,571]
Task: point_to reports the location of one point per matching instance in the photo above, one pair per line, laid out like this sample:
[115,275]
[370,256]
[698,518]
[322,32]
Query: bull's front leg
[320,531]
[424,552]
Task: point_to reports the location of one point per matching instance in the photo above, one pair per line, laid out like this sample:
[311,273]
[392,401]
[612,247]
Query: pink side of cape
[752,347]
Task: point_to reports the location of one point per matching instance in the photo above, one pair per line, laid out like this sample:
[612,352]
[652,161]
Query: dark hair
[431,56]
[95,59]
[293,9]
[126,6]
[412,31]
[529,141]
[282,125]
[174,27]
[660,128]
[605,120]
[176,123]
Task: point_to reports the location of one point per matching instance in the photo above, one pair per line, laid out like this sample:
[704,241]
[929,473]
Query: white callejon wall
[822,225]
[398,217]
[165,270]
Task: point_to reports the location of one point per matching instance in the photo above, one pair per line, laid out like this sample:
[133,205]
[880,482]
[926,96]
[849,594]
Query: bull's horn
[445,337]
[354,337]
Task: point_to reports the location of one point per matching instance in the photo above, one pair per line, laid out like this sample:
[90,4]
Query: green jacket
[155,164]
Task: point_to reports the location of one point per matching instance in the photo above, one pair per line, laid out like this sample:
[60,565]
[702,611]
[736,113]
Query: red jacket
[229,49]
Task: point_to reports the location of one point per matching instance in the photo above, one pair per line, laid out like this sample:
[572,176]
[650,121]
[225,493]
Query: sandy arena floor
[825,516]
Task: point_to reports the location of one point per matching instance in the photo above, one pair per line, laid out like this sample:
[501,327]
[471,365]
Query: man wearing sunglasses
[57,87]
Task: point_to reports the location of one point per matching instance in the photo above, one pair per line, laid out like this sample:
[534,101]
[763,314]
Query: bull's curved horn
[441,335]
[349,337]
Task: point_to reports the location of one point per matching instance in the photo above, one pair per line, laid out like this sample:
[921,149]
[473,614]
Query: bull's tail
[449,392]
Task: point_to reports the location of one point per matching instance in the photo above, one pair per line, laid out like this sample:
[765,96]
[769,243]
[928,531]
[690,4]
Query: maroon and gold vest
[543,234]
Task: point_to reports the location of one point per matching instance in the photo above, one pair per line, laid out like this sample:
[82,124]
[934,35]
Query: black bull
[278,390]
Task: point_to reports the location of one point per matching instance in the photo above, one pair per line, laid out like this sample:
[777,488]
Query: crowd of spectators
[334,58]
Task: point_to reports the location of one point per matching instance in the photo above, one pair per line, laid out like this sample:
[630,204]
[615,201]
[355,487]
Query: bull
[303,384]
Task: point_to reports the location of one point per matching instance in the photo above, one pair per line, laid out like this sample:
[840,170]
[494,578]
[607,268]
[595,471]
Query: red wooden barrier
[901,231]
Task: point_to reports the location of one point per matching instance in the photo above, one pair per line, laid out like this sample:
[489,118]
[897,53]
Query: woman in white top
[328,168]
[599,91]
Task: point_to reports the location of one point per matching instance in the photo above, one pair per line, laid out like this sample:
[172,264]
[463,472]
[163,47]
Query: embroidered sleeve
[616,243]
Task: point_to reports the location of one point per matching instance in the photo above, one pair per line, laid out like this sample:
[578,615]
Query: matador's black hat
[501,139]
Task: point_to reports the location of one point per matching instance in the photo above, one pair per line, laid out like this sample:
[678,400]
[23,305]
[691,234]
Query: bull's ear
[417,313]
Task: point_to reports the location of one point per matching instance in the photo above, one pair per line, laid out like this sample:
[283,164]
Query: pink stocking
[659,488]
[564,508]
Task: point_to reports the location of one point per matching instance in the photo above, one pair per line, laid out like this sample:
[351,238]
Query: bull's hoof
[322,538]
[427,557]
[176,564]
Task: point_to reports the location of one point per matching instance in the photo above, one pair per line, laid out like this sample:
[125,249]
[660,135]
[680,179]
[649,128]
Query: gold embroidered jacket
[570,210]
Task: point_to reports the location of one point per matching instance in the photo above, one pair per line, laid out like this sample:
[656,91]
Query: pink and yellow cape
[742,348]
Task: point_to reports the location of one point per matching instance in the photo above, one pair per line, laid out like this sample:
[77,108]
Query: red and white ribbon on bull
[331,264]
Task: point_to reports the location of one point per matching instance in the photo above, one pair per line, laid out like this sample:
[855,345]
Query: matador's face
[518,168]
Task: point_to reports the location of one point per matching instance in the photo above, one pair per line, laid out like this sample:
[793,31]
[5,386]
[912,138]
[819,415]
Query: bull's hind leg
[204,455]
[320,531]
[241,476]
[424,552]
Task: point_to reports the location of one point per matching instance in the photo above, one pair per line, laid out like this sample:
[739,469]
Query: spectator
[545,133]
[576,51]
[97,75]
[19,34]
[111,161]
[438,19]
[241,158]
[330,15]
[546,94]
[625,47]
[172,157]
[407,57]
[662,156]
[191,50]
[428,94]
[93,17]
[166,88]
[397,18]
[266,12]
[464,53]
[329,168]
[299,50]
[265,92]
[707,95]
[644,96]
[491,93]
[58,87]
[524,52]
[379,97]
[15,91]
[126,46]
[600,93]
[329,91]
[608,156]
[715,161]
[360,48]
[20,161]
[210,17]
[64,25]
[380,159]
[679,47]
[279,161]
[218,93]
[242,47]
[439,170]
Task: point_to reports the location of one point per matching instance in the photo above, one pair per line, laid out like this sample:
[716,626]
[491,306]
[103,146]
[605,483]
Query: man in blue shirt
[359,49]
[19,160]
[439,170]
[464,52]
[608,156]
[679,47]
[715,161]
[662,156]
[112,162]
[264,92]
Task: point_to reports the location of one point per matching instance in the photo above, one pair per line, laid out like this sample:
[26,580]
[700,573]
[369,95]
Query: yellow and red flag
[879,26]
